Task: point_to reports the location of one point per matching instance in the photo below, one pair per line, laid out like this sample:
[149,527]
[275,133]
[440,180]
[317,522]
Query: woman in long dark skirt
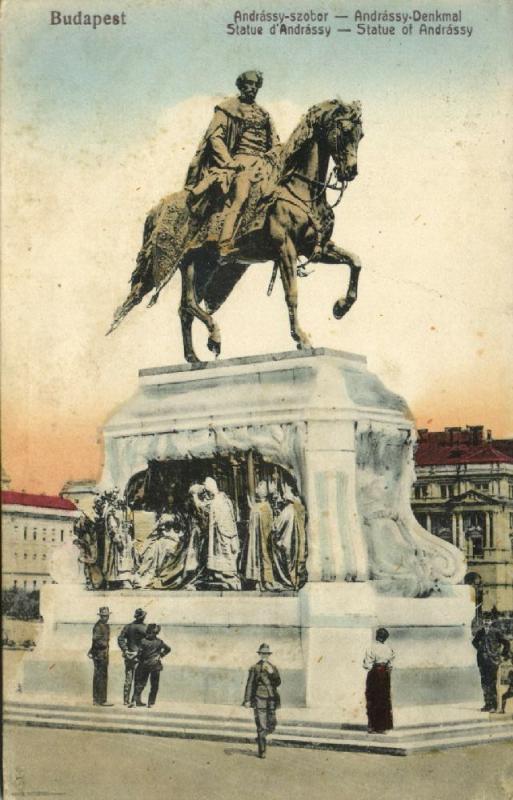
[378,661]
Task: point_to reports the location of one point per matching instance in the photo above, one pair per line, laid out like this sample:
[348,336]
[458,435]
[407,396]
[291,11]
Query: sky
[98,125]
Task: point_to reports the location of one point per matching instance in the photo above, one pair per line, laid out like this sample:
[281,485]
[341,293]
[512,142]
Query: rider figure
[232,154]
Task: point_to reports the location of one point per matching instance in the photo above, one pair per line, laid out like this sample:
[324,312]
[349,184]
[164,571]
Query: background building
[464,494]
[82,494]
[33,525]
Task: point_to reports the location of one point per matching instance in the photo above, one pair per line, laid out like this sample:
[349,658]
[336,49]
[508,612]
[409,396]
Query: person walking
[129,641]
[262,696]
[99,653]
[378,662]
[151,651]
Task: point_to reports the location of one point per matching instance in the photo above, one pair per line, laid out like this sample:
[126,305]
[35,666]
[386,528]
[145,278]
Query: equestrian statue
[248,199]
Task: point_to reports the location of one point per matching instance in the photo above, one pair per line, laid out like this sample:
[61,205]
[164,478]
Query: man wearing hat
[129,641]
[99,653]
[262,696]
[151,652]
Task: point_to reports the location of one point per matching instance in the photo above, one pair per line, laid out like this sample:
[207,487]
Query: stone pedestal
[349,443]
[318,639]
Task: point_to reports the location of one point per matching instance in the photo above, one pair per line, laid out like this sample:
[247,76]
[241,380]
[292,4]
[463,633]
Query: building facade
[82,494]
[33,526]
[464,494]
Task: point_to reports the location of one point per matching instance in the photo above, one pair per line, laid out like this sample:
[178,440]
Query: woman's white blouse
[378,653]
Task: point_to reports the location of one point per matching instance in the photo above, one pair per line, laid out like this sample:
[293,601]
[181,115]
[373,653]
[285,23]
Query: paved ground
[77,765]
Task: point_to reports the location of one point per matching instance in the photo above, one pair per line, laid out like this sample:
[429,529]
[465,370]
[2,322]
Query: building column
[461,534]
[428,522]
[487,542]
[454,522]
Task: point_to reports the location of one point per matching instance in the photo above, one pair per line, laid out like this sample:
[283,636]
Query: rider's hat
[264,649]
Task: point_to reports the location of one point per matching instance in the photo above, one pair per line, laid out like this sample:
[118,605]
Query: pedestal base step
[296,727]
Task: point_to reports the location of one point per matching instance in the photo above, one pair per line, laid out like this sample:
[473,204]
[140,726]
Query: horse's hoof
[214,346]
[339,310]
[192,358]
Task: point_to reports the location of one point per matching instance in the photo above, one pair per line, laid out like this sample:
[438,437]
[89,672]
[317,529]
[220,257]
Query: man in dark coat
[262,696]
[151,651]
[129,641]
[491,647]
[230,156]
[99,653]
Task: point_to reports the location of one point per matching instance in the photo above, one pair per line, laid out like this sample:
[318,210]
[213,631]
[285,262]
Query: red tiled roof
[37,501]
[430,453]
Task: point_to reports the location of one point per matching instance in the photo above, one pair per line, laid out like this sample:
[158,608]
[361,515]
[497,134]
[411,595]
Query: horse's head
[342,127]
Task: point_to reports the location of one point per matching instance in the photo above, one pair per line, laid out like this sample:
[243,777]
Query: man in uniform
[99,653]
[491,647]
[262,695]
[232,154]
[129,641]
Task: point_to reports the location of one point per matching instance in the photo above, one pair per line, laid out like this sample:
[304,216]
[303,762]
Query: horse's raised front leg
[190,308]
[287,264]
[333,254]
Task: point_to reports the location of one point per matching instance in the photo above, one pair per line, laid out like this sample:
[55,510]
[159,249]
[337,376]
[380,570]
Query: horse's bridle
[338,186]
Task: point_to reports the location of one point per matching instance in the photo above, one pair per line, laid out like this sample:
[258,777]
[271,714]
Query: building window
[25,556]
[511,520]
[44,556]
[25,534]
[34,534]
[62,536]
[511,491]
[53,534]
[15,584]
[441,526]
[482,487]
[24,584]
[44,583]
[417,493]
[477,547]
[34,584]
[34,556]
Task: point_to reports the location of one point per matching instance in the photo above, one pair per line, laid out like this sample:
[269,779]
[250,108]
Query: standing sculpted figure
[289,541]
[258,566]
[231,154]
[119,554]
[223,538]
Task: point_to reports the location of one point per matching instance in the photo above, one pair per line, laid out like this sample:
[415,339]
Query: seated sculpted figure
[231,155]
[162,557]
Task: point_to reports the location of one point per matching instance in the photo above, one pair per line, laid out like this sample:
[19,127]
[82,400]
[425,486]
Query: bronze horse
[298,222]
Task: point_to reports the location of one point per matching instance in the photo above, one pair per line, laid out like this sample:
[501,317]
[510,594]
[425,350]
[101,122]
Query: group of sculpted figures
[249,199]
[197,545]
